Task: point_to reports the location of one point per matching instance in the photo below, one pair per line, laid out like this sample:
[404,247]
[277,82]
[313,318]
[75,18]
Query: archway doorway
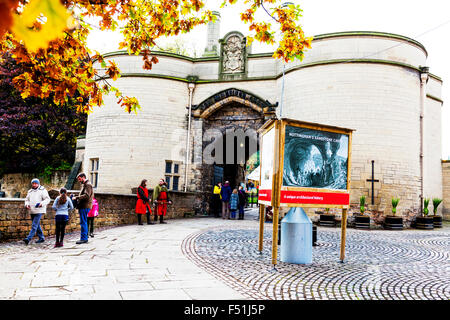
[234,130]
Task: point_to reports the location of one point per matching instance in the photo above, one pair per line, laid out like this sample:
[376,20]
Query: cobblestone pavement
[211,258]
[379,264]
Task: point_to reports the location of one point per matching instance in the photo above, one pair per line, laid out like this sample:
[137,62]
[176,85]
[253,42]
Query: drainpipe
[191,87]
[423,82]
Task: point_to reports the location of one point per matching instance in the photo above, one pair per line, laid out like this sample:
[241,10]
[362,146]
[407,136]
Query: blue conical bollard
[296,237]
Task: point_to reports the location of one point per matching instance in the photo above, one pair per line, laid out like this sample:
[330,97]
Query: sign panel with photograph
[315,159]
[315,166]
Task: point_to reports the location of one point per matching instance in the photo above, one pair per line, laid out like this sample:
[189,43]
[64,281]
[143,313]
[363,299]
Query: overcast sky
[425,21]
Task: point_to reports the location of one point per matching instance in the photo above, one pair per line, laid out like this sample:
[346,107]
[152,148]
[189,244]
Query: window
[172,175]
[93,177]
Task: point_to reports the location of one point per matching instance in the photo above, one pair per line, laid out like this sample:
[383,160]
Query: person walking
[143,203]
[234,203]
[36,202]
[62,205]
[216,199]
[91,216]
[242,198]
[84,201]
[161,199]
[225,193]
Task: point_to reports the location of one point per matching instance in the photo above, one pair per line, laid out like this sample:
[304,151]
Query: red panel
[265,195]
[308,197]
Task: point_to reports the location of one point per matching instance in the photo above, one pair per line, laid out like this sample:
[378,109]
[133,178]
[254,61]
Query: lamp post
[191,87]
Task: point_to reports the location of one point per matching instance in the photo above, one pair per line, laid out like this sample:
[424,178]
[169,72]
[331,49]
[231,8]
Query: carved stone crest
[233,54]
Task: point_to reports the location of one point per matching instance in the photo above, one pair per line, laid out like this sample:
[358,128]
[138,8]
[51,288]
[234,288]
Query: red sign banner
[308,197]
[265,195]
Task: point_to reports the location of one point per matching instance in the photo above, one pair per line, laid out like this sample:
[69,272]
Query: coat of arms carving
[233,55]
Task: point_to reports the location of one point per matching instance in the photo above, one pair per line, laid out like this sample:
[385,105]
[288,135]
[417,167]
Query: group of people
[160,199]
[229,200]
[38,198]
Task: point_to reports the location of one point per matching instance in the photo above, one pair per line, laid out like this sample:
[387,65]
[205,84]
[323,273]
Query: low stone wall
[446,189]
[21,182]
[114,210]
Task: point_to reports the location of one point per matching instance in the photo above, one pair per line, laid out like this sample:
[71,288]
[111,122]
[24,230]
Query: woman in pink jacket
[91,215]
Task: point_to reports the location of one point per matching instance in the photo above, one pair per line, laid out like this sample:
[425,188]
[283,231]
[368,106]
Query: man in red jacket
[143,203]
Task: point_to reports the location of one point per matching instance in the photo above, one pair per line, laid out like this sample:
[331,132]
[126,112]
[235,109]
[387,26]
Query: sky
[428,22]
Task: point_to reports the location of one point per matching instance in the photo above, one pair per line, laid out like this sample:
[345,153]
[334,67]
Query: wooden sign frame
[277,179]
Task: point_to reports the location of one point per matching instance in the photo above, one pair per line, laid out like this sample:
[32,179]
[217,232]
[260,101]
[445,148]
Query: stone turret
[212,41]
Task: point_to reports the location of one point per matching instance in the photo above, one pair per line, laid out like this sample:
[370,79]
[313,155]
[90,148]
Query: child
[62,205]
[91,215]
[234,202]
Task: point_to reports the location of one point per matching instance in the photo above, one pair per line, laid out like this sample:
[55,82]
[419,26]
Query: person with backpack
[62,205]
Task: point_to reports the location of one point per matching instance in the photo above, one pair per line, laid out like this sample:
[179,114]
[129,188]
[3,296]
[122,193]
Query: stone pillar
[195,170]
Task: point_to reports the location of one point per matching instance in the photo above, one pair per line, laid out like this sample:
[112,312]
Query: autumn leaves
[48,39]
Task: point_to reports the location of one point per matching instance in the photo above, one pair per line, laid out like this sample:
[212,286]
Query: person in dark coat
[225,193]
[242,199]
[84,201]
[143,203]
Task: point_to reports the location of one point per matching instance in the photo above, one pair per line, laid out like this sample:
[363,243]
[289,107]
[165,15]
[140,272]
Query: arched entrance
[230,120]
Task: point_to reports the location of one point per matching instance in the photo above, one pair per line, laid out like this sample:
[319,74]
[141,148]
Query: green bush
[436,203]
[362,203]
[426,201]
[395,202]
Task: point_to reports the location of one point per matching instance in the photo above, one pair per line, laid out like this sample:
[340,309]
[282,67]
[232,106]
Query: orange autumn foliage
[48,38]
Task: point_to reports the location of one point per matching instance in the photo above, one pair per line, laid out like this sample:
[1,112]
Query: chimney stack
[212,40]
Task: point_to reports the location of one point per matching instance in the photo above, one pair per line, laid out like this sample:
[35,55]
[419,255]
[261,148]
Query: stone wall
[114,210]
[21,182]
[445,206]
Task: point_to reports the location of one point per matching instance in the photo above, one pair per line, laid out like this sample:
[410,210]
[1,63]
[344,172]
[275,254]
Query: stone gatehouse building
[375,83]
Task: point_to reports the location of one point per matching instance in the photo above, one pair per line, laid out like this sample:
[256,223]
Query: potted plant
[392,222]
[425,222]
[361,220]
[437,220]
[327,219]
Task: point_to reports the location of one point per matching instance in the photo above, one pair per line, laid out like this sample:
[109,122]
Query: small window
[176,179]
[93,176]
[168,180]
[172,175]
[168,166]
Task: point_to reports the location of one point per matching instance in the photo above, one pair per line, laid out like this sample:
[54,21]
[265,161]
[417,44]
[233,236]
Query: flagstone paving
[211,258]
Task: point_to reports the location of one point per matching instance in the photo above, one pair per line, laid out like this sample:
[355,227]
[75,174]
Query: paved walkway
[210,258]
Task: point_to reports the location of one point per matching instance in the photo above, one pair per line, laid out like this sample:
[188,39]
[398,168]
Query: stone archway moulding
[222,98]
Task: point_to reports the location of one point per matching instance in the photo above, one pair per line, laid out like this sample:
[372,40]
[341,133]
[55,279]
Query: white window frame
[94,164]
[172,174]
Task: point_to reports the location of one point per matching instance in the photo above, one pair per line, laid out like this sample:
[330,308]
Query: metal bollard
[296,237]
